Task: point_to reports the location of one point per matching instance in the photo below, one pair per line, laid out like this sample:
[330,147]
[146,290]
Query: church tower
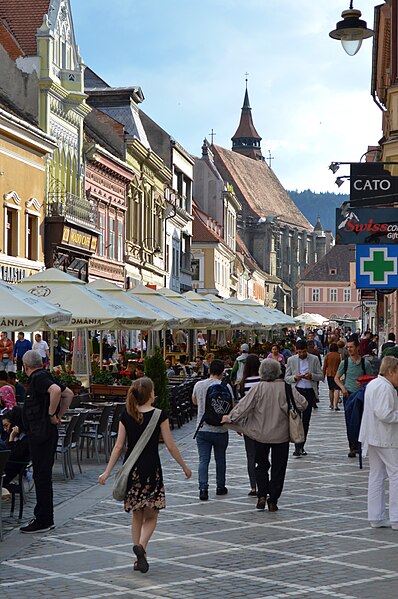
[246,140]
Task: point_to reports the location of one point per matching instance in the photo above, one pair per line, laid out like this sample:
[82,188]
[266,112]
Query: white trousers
[383,462]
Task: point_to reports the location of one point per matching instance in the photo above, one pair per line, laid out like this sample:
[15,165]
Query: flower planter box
[109,390]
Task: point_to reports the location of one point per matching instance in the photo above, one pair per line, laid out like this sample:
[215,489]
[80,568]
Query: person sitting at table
[201,370]
[182,367]
[169,368]
[19,389]
[16,442]
[140,370]
[7,394]
[131,369]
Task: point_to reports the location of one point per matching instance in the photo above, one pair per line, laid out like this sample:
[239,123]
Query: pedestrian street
[318,544]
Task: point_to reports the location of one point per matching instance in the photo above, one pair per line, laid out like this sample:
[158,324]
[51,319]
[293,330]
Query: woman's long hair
[252,365]
[138,395]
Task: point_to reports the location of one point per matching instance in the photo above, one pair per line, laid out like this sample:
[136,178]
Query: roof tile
[23,18]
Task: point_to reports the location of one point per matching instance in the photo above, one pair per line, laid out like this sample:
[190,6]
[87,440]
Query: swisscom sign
[366,225]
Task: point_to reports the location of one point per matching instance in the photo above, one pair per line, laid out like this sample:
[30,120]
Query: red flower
[57,372]
[72,372]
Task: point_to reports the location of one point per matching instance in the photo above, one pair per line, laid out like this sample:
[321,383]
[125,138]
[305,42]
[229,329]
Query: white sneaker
[381,524]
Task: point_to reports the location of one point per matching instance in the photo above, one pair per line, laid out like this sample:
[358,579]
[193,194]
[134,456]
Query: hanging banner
[366,225]
[377,267]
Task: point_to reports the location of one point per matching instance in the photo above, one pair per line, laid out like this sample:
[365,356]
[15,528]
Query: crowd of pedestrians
[251,398]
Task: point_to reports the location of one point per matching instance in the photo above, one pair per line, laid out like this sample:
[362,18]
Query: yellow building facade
[24,154]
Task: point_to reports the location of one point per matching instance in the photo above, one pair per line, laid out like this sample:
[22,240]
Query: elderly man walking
[45,404]
[304,371]
[379,438]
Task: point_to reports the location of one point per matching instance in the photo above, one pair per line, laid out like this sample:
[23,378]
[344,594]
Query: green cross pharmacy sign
[377,266]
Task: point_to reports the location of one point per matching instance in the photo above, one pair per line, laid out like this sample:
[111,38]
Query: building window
[11,233]
[111,253]
[32,237]
[316,294]
[347,295]
[101,237]
[333,295]
[195,269]
[175,266]
[120,240]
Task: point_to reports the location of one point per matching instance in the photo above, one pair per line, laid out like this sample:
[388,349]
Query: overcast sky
[311,101]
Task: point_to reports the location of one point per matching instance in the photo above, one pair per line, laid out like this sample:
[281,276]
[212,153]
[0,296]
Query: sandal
[252,493]
[135,566]
[142,564]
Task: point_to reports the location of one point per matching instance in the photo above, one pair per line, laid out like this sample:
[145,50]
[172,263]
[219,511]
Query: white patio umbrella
[90,309]
[188,315]
[113,291]
[238,319]
[21,311]
[254,311]
[310,319]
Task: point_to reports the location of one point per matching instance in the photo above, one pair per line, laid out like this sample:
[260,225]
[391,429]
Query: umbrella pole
[164,343]
[51,349]
[142,346]
[101,353]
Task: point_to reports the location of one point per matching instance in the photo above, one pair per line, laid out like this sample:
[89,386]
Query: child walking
[145,491]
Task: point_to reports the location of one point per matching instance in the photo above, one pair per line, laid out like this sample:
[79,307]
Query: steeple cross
[270,158]
[212,135]
[246,78]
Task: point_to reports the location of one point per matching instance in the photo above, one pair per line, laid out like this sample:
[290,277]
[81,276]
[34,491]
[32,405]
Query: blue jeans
[4,363]
[206,442]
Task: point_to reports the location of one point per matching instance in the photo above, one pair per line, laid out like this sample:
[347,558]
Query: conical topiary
[155,369]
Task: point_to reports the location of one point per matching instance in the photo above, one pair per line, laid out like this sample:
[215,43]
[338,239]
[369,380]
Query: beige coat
[262,414]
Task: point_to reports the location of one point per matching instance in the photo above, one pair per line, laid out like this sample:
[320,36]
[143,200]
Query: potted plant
[66,377]
[155,369]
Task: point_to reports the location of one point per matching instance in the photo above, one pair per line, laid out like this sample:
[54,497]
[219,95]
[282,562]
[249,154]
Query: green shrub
[155,369]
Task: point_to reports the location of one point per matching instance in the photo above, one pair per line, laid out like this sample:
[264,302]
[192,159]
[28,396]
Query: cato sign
[377,266]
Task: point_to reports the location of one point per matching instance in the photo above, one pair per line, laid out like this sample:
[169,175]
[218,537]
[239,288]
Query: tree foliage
[322,204]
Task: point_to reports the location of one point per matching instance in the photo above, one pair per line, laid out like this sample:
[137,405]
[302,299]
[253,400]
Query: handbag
[296,428]
[119,489]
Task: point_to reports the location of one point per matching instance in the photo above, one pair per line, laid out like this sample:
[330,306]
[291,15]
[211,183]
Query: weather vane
[212,135]
[270,158]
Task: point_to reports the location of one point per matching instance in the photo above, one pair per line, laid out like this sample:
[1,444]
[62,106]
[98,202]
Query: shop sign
[371,184]
[366,225]
[377,267]
[368,295]
[85,241]
[12,274]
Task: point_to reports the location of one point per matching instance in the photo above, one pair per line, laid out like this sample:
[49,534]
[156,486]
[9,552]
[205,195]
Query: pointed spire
[246,140]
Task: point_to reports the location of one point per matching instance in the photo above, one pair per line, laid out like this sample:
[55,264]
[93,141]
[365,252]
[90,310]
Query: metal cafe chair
[97,432]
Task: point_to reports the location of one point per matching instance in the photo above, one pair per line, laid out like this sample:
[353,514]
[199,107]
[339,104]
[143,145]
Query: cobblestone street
[319,543]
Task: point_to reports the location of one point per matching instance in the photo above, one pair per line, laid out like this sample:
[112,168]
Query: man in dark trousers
[304,371]
[21,346]
[45,404]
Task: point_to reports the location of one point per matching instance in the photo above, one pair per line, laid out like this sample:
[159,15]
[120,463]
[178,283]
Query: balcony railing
[81,211]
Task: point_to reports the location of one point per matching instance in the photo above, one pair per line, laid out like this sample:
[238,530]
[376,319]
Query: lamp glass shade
[351,47]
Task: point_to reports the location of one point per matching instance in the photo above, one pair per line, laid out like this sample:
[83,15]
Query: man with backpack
[213,436]
[350,370]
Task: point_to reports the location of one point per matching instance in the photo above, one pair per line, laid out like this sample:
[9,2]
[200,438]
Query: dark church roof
[246,127]
[334,266]
[257,187]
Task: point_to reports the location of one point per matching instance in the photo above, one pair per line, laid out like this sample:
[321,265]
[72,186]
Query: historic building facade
[385,94]
[24,152]
[53,74]
[178,215]
[150,186]
[276,233]
[328,287]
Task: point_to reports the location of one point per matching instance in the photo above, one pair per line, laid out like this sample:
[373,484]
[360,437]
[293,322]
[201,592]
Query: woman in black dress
[145,495]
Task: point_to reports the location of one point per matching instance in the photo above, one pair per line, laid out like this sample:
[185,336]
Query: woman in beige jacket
[263,416]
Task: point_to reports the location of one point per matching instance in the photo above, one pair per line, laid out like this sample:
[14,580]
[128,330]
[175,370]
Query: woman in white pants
[379,438]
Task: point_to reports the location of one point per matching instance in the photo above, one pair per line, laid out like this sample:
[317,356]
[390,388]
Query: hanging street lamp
[351,30]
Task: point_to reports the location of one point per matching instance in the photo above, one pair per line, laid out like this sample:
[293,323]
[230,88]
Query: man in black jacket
[45,404]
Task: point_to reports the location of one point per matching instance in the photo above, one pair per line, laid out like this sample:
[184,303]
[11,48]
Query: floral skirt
[145,493]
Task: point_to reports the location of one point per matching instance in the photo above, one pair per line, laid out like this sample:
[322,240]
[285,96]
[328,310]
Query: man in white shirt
[42,347]
[304,371]
[379,438]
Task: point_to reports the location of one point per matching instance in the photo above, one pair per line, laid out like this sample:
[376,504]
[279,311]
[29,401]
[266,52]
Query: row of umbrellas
[52,299]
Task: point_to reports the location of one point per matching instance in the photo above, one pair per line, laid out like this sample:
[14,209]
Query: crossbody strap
[290,399]
[143,440]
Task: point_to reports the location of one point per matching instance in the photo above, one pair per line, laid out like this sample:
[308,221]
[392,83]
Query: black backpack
[219,402]
[363,365]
